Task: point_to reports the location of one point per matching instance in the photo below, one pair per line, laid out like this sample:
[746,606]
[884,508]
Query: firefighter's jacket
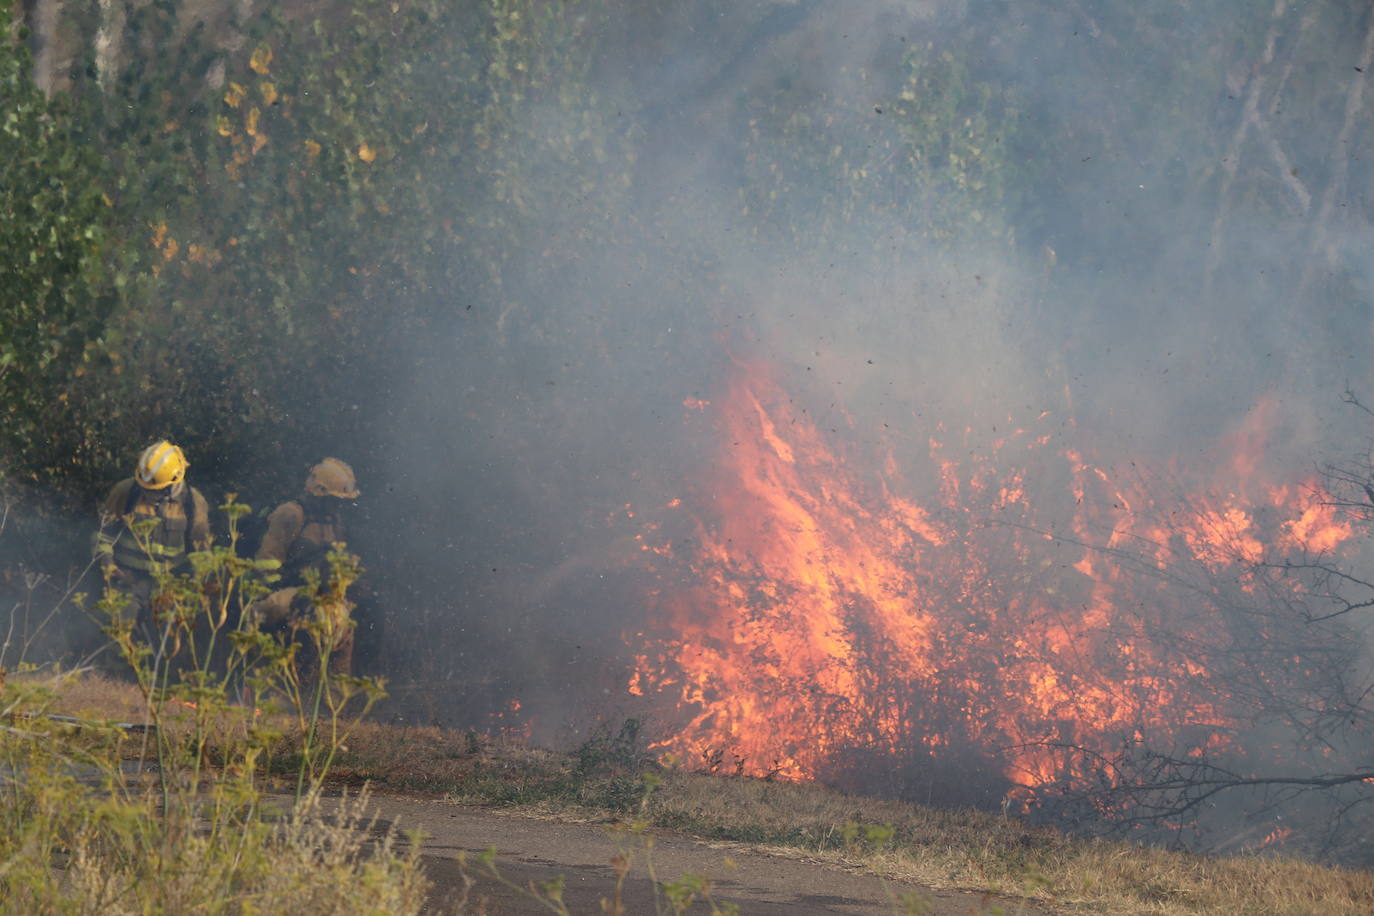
[299,536]
[183,524]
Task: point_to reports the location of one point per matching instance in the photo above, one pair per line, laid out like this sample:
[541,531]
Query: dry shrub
[307,863]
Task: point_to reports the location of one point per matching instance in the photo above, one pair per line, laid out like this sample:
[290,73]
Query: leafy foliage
[234,238]
[53,223]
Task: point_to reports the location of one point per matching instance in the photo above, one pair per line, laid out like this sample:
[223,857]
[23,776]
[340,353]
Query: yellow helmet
[332,477]
[161,465]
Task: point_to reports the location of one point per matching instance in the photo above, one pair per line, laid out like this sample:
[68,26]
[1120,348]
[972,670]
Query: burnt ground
[532,850]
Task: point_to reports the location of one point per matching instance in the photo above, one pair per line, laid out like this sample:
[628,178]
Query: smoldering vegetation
[946,217]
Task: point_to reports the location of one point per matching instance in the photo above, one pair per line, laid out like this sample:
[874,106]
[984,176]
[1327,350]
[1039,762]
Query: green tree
[54,290]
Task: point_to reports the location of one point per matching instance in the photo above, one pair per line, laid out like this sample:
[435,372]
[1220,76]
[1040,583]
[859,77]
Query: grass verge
[950,849]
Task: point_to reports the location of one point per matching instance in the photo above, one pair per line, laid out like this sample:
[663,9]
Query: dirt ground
[534,850]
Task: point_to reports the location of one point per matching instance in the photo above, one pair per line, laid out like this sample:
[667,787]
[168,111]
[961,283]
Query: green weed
[175,813]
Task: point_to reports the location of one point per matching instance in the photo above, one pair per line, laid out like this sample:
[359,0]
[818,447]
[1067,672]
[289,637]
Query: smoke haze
[1141,231]
[504,452]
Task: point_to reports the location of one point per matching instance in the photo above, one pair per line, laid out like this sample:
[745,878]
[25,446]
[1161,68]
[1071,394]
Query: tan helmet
[161,465]
[332,477]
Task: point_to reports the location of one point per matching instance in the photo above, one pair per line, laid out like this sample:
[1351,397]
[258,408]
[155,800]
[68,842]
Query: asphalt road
[533,851]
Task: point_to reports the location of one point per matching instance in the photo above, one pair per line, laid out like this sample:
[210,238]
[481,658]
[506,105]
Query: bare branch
[1348,396]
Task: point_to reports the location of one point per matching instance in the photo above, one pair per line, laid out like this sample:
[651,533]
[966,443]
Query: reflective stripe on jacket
[182,524]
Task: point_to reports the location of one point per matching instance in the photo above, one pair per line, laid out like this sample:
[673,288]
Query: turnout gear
[183,521]
[300,534]
[162,465]
[180,523]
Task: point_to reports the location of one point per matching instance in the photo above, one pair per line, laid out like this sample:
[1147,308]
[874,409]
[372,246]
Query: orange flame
[1277,835]
[825,612]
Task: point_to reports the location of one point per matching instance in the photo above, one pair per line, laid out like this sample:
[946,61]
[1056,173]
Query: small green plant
[173,814]
[207,670]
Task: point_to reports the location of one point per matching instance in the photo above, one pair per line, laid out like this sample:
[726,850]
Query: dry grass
[96,697]
[979,851]
[309,865]
[932,847]
[99,699]
[83,834]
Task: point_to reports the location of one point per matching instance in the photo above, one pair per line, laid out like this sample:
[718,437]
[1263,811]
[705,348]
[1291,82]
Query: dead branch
[1138,787]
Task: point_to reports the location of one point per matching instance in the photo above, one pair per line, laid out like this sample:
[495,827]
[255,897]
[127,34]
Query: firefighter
[300,534]
[158,490]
